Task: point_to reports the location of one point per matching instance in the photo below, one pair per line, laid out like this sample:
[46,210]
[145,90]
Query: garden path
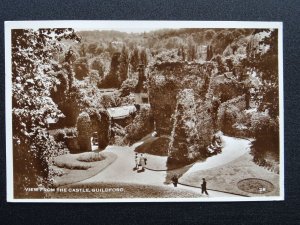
[121,171]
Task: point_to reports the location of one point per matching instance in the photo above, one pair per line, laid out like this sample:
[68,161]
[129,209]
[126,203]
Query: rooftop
[121,112]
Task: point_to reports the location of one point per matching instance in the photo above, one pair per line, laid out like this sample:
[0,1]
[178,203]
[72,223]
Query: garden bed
[78,167]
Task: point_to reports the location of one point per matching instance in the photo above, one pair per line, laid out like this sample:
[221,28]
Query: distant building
[52,123]
[121,115]
[107,90]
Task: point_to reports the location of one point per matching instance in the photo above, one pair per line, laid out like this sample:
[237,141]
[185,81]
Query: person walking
[203,186]
[175,180]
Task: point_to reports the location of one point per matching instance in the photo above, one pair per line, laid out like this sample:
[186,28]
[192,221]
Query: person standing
[142,162]
[137,161]
[203,186]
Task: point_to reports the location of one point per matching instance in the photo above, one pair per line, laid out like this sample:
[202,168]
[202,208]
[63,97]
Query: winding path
[121,171]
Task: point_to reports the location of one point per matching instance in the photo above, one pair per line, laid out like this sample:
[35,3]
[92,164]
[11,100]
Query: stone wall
[166,80]
[184,136]
[206,126]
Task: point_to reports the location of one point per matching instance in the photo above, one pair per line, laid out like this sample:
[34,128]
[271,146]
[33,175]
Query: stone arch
[100,123]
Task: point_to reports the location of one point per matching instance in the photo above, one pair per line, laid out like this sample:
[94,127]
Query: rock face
[184,137]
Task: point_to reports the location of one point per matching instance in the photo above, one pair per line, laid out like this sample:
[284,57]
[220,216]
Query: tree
[265,63]
[92,48]
[128,86]
[98,65]
[135,59]
[81,68]
[83,50]
[220,64]
[264,60]
[209,53]
[192,50]
[143,57]
[32,80]
[123,67]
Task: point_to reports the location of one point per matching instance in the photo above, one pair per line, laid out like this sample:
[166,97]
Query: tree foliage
[32,79]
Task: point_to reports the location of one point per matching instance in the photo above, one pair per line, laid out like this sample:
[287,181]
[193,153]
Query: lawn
[78,167]
[227,177]
[154,145]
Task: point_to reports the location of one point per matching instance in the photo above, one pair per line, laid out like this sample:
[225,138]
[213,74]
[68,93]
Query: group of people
[203,185]
[140,162]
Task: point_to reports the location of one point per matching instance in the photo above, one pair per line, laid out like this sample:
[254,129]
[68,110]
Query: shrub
[266,133]
[72,165]
[71,132]
[59,135]
[90,157]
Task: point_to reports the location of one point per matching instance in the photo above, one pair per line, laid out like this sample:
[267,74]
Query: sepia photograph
[144,111]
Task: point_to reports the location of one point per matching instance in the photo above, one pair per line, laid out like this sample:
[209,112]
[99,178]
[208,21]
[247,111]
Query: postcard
[144,111]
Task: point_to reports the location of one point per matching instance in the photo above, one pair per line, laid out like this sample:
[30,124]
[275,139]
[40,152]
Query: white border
[134,26]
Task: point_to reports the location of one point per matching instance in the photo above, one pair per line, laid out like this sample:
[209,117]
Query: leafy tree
[192,50]
[97,65]
[220,64]
[209,34]
[265,63]
[92,48]
[134,59]
[81,68]
[123,67]
[83,50]
[209,53]
[32,80]
[143,57]
[128,86]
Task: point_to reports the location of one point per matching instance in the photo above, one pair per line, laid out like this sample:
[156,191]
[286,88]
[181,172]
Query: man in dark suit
[203,186]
